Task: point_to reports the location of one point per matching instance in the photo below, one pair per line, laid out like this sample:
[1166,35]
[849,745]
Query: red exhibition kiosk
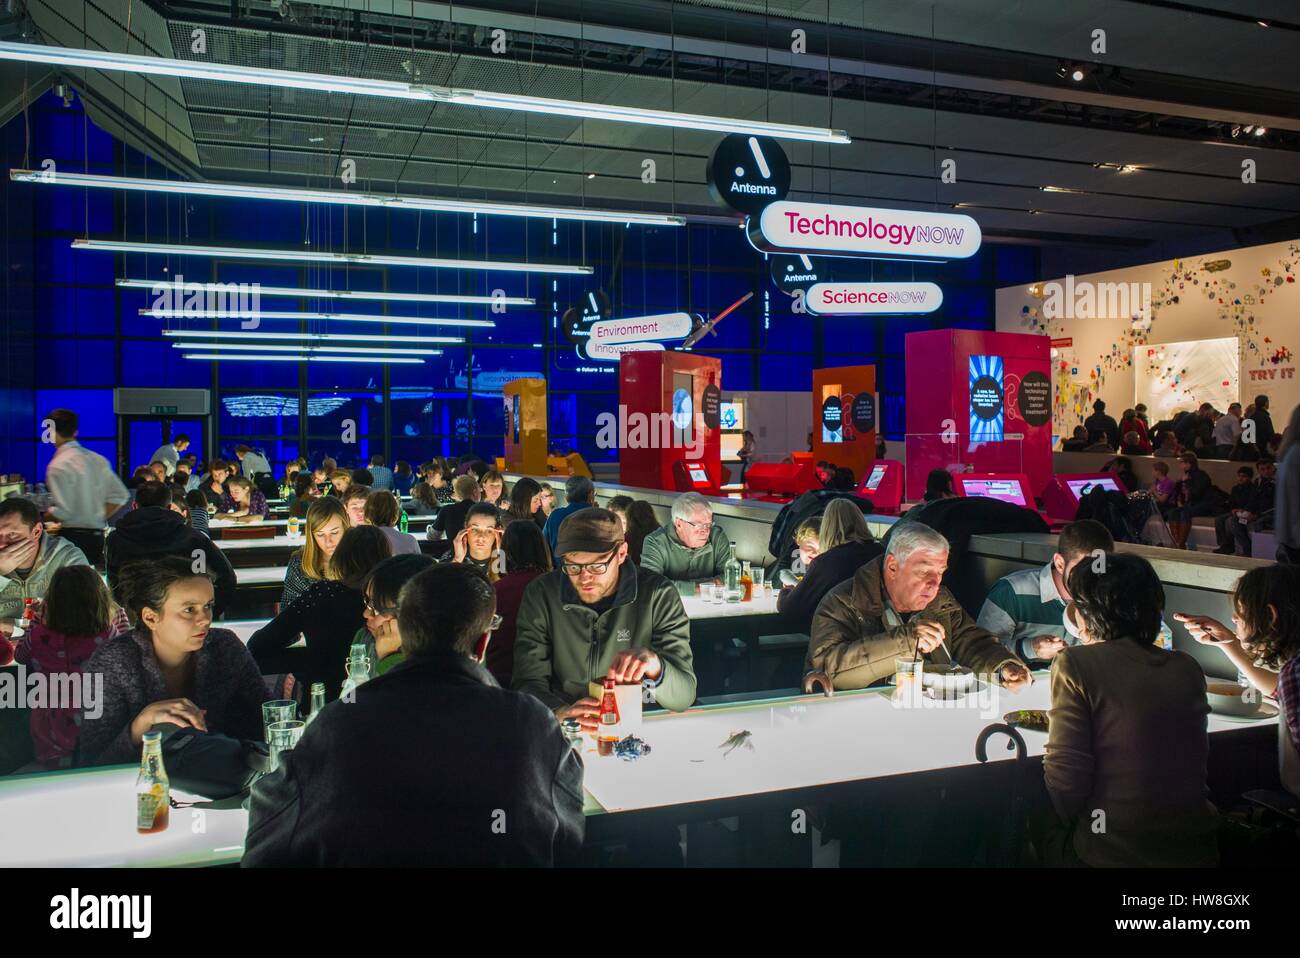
[670,408]
[978,402]
[844,417]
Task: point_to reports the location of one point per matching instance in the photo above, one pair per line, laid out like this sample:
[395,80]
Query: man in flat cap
[597,616]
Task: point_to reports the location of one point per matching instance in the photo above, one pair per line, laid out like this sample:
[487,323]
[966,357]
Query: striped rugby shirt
[1024,606]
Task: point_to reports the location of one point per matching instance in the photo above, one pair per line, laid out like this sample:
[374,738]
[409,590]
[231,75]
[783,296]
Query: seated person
[28,557]
[327,616]
[895,607]
[304,494]
[493,485]
[1196,497]
[340,481]
[382,588]
[381,477]
[619,506]
[451,518]
[1163,489]
[938,485]
[1250,509]
[596,617]
[579,493]
[846,546]
[1264,645]
[363,477]
[327,520]
[194,507]
[243,501]
[641,521]
[403,477]
[693,548]
[152,530]
[525,504]
[807,546]
[434,804]
[1132,444]
[1131,422]
[213,486]
[424,500]
[479,543]
[354,501]
[526,556]
[1168,448]
[1076,443]
[548,501]
[383,512]
[174,668]
[1122,467]
[1025,610]
[1128,733]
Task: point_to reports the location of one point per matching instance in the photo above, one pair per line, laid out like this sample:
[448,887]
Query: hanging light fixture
[296,293]
[377,320]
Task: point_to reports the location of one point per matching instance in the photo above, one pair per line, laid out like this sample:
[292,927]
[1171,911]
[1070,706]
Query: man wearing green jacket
[692,548]
[598,616]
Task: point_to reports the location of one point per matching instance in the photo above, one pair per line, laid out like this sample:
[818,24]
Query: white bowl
[949,679]
[1229,698]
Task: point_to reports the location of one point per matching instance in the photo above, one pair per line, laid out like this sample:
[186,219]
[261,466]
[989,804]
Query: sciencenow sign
[792,227]
[860,299]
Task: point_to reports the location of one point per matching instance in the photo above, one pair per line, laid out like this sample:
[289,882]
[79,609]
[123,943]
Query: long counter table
[277,550]
[802,746]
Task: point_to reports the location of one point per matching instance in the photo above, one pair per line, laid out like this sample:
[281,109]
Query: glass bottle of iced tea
[607,734]
[152,788]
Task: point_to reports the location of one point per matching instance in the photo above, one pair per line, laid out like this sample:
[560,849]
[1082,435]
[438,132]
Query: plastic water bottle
[402,522]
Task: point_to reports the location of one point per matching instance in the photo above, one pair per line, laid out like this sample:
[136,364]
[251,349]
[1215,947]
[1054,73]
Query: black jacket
[826,572]
[478,775]
[327,615]
[154,532]
[1102,427]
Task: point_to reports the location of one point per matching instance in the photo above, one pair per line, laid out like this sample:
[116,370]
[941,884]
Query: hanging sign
[794,227]
[634,329]
[860,299]
[748,172]
[609,352]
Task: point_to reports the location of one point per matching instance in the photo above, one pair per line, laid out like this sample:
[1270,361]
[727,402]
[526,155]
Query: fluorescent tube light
[296,293]
[341,198]
[321,256]
[268,358]
[362,86]
[274,348]
[343,317]
[344,337]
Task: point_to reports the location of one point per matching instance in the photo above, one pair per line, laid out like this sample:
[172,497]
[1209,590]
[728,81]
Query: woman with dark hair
[174,668]
[493,485]
[845,545]
[327,615]
[1127,734]
[424,500]
[641,522]
[196,517]
[938,485]
[525,503]
[1264,645]
[1130,422]
[619,506]
[383,512]
[1122,467]
[403,478]
[526,557]
[1195,497]
[382,588]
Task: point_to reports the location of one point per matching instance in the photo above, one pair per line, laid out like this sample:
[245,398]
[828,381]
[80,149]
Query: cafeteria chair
[250,531]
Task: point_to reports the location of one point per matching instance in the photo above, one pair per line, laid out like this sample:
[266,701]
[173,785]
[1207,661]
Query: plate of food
[946,680]
[1230,700]
[1035,720]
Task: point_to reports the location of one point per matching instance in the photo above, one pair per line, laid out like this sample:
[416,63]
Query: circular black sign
[748,172]
[711,406]
[791,273]
[985,398]
[578,318]
[863,412]
[1035,399]
[832,414]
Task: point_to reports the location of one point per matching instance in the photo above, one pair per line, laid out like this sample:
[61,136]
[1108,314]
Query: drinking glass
[283,737]
[278,710]
[907,678]
[719,593]
[757,573]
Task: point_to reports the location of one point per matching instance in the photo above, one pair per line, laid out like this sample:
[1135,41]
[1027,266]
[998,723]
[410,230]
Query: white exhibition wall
[1108,327]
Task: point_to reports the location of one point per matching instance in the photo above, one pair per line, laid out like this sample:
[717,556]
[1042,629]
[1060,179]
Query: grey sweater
[227,686]
[54,554]
[664,553]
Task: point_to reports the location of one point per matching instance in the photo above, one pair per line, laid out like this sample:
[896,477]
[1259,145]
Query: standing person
[29,557]
[243,501]
[1263,424]
[525,503]
[1264,646]
[846,545]
[451,518]
[174,668]
[403,478]
[85,490]
[251,462]
[382,588]
[169,453]
[641,522]
[214,485]
[746,454]
[327,616]
[1101,427]
[1286,502]
[382,475]
[383,512]
[344,796]
[579,493]
[1128,733]
[1227,431]
[693,548]
[526,557]
[327,520]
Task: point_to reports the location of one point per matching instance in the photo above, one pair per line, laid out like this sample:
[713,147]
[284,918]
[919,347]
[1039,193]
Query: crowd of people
[481,654]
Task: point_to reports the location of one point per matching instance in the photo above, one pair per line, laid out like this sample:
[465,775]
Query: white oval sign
[863,231]
[639,329]
[857,299]
[611,351]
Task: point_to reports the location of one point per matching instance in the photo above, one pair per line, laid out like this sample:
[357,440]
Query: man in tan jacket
[896,607]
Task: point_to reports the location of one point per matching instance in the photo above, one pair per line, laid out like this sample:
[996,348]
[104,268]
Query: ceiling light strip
[268,358]
[336,337]
[343,317]
[296,293]
[321,256]
[310,348]
[362,86]
[341,198]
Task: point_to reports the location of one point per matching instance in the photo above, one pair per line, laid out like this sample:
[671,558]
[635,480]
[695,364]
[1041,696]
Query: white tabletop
[697,608]
[217,523]
[260,575]
[276,542]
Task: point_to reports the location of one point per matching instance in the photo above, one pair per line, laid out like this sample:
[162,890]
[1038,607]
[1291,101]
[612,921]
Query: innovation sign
[609,352]
[861,299]
[794,227]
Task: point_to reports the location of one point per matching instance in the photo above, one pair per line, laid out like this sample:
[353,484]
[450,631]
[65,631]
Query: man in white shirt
[84,488]
[251,462]
[169,453]
[1227,431]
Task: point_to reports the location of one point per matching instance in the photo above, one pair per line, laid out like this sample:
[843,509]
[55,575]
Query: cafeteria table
[217,527]
[805,749]
[277,550]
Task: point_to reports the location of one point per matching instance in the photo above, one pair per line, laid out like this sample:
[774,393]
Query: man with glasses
[598,616]
[692,549]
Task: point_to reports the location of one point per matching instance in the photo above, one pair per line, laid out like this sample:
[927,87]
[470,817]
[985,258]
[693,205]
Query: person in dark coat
[1101,427]
[432,764]
[152,530]
[1196,497]
[846,546]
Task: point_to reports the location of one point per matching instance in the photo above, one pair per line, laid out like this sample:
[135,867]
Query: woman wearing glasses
[479,543]
[382,587]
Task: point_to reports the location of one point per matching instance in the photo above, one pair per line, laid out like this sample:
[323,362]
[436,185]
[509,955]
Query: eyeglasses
[370,608]
[706,526]
[596,568]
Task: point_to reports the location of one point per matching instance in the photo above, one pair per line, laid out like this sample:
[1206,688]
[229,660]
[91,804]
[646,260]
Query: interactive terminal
[780,481]
[694,477]
[884,486]
[1062,495]
[1008,487]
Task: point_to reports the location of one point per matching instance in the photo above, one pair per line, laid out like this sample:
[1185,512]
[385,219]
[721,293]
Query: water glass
[757,573]
[278,710]
[283,737]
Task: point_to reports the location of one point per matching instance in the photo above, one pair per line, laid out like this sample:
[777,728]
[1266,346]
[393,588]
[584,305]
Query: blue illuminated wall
[70,335]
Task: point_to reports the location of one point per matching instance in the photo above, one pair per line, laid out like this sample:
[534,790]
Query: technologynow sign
[792,227]
[635,329]
[861,299]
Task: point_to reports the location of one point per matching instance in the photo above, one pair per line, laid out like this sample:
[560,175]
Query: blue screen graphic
[986,399]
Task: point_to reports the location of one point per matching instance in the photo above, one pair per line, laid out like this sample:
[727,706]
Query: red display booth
[978,402]
[844,417]
[669,408]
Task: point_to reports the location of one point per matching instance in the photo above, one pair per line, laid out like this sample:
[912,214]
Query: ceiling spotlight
[1236,132]
[1264,23]
[1077,73]
[1129,168]
[591,176]
[1260,131]
[1249,127]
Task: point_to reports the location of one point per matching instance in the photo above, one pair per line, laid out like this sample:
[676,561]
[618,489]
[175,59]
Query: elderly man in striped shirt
[1025,610]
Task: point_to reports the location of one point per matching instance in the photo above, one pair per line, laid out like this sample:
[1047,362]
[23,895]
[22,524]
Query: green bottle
[402,522]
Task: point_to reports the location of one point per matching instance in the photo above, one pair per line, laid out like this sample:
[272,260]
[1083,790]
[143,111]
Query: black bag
[218,767]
